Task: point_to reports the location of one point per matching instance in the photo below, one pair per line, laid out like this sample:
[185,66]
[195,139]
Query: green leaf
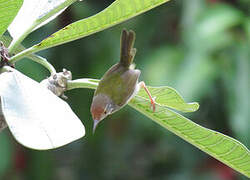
[224,148]
[169,97]
[36,13]
[8,9]
[117,12]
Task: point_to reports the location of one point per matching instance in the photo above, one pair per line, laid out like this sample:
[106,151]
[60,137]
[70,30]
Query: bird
[119,84]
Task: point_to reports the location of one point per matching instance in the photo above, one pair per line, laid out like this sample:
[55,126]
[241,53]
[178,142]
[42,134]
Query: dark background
[201,48]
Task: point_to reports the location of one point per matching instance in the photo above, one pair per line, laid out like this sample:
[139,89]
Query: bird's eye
[105,112]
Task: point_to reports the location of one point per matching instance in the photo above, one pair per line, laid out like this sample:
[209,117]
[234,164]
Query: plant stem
[82,83]
[29,53]
[21,55]
[43,62]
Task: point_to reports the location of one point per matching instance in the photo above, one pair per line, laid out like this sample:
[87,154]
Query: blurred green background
[199,47]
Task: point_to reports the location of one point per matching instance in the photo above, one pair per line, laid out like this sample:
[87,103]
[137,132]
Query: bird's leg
[152,99]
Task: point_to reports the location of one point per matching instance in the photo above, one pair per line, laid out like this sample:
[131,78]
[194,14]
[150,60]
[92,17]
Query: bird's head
[101,107]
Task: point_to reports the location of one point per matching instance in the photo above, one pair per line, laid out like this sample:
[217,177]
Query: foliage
[8,10]
[220,146]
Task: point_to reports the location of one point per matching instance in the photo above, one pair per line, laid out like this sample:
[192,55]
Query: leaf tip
[194,106]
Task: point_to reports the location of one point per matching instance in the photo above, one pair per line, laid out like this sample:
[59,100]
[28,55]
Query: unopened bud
[57,83]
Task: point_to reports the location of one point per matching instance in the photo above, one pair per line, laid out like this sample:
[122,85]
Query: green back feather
[127,50]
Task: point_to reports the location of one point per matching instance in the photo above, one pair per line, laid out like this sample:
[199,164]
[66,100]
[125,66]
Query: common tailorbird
[119,84]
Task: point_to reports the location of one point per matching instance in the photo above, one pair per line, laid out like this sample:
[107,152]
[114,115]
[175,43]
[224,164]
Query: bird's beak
[95,125]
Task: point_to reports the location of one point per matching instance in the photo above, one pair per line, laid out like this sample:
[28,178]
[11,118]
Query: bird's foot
[153,103]
[152,99]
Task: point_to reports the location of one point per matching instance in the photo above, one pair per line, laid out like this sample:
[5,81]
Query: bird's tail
[127,50]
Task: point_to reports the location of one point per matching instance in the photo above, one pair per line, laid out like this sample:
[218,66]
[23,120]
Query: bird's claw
[153,103]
